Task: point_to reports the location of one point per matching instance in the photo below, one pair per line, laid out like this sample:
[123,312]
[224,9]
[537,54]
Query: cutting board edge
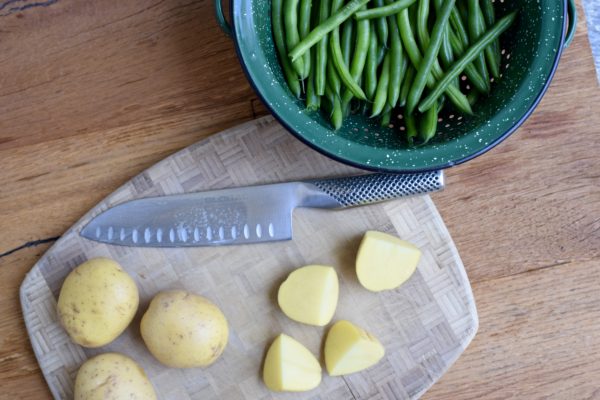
[465,341]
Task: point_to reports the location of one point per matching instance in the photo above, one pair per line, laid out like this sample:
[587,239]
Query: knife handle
[373,188]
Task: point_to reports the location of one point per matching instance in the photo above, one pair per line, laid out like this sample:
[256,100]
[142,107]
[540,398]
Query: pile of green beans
[380,57]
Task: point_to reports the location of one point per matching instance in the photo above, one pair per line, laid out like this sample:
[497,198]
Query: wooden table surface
[92,93]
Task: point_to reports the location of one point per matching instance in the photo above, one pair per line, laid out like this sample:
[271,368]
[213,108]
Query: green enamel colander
[531,49]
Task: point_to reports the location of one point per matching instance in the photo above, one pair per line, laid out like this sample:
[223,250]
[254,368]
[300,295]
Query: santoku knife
[245,214]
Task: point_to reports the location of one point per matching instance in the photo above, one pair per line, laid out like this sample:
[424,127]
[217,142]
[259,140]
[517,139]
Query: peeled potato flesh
[384,261]
[310,295]
[349,349]
[291,367]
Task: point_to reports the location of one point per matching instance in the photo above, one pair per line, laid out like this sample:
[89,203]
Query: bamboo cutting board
[424,325]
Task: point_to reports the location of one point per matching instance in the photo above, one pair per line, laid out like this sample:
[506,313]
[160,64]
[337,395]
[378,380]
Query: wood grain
[75,125]
[551,337]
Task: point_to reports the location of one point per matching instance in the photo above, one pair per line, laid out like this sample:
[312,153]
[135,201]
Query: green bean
[411,127]
[408,38]
[381,52]
[414,54]
[473,51]
[312,99]
[441,102]
[446,52]
[408,79]
[292,37]
[384,11]
[338,61]
[382,88]
[463,9]
[476,29]
[288,71]
[395,67]
[363,35]
[359,58]
[364,108]
[428,124]
[342,68]
[336,116]
[459,27]
[370,79]
[422,23]
[321,53]
[487,9]
[478,82]
[304,17]
[381,25]
[335,7]
[429,56]
[473,96]
[334,21]
[403,70]
[327,102]
[492,52]
[347,40]
[333,78]
[386,116]
[454,93]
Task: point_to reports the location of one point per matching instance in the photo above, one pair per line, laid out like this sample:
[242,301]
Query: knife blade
[242,215]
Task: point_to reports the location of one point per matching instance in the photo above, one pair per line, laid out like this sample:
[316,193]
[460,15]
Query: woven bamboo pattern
[424,325]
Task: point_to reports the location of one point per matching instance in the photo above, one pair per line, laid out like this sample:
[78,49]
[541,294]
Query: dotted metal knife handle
[372,188]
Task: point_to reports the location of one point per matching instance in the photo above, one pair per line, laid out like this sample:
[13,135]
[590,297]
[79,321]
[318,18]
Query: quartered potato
[291,367]
[350,349]
[384,261]
[310,295]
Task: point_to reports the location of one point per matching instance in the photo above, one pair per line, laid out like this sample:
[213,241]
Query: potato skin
[97,301]
[184,330]
[112,376]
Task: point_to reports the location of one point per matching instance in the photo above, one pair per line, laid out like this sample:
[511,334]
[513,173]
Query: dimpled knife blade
[246,214]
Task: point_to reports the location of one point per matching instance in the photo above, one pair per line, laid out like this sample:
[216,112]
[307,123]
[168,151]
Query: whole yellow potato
[97,301]
[112,376]
[184,330]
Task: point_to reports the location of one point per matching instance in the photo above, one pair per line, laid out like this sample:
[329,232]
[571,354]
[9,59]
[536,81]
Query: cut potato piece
[350,349]
[385,262]
[291,367]
[310,295]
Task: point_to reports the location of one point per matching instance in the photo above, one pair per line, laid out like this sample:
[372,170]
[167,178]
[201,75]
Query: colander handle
[572,23]
[225,27]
